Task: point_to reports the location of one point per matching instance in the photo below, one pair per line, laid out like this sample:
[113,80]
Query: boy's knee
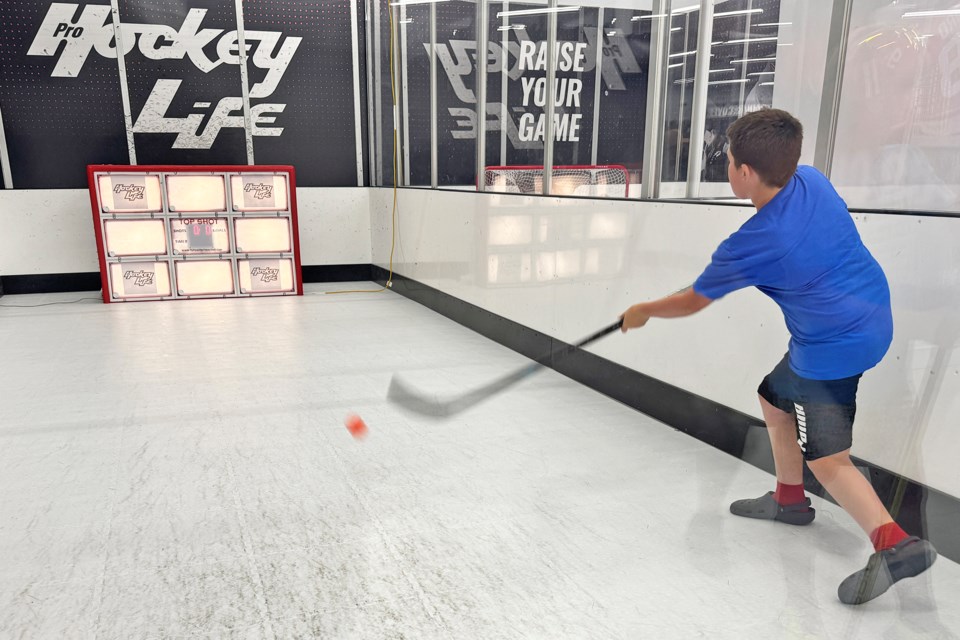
[829,464]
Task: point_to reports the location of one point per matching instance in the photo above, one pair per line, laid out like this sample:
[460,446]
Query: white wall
[567,267]
[51,230]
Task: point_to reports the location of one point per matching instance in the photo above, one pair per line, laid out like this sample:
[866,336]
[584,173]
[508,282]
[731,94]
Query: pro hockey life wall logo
[82,28]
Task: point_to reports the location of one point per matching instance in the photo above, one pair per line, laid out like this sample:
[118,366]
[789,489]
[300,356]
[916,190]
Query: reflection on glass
[586,181]
[898,128]
[551,247]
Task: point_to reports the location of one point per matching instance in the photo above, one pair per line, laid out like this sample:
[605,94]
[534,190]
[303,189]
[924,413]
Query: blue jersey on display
[803,250]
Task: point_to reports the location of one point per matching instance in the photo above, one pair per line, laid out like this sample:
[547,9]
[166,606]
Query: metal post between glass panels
[373,157]
[832,84]
[656,100]
[357,113]
[481,93]
[404,93]
[504,87]
[551,97]
[397,88]
[597,81]
[378,93]
[698,116]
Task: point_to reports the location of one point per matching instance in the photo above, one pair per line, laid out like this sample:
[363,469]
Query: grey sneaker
[911,557]
[766,508]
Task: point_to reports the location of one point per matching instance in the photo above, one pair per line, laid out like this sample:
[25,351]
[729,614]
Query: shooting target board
[179,232]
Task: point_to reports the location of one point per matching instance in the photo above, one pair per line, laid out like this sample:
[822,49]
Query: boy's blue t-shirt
[803,250]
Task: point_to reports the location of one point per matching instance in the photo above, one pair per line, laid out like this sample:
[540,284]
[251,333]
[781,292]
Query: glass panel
[619,101]
[456,95]
[751,40]
[516,94]
[383,93]
[413,24]
[744,47]
[681,64]
[803,32]
[898,130]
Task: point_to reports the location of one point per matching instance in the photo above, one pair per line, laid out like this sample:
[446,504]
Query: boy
[802,249]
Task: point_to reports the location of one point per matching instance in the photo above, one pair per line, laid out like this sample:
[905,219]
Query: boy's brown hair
[768,140]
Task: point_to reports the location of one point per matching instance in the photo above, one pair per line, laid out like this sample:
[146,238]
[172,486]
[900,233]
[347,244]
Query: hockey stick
[430,405]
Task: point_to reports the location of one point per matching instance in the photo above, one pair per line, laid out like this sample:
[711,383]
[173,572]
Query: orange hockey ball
[356,426]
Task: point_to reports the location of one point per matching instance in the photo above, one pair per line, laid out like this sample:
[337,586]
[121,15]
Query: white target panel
[178,232]
[263,235]
[204,278]
[129,193]
[134,238]
[263,192]
[139,280]
[196,194]
[266,276]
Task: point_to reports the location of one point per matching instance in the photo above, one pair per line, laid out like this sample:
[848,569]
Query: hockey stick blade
[406,396]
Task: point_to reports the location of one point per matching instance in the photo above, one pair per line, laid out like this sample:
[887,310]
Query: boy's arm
[677,305]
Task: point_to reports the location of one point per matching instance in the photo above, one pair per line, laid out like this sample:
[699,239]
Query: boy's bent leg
[851,490]
[905,558]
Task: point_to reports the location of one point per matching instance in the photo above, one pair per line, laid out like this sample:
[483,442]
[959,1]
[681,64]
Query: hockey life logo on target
[82,28]
[525,61]
[259,191]
[141,278]
[131,192]
[266,274]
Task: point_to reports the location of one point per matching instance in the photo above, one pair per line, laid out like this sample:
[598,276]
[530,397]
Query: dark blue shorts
[823,409]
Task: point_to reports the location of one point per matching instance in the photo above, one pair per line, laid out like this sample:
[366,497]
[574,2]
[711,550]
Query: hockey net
[596,181]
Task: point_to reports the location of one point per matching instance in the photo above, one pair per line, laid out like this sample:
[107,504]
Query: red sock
[887,535]
[789,494]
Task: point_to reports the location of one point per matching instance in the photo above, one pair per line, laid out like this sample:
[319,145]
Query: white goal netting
[595,181]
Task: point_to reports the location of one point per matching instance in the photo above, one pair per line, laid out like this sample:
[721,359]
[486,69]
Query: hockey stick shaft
[425,404]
